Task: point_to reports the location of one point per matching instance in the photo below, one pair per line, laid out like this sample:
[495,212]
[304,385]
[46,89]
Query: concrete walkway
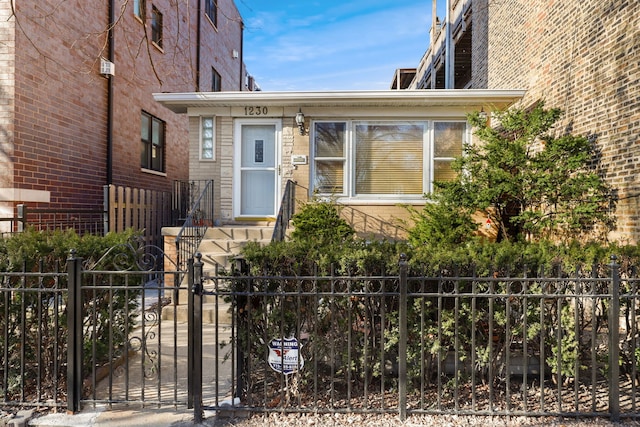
[165,381]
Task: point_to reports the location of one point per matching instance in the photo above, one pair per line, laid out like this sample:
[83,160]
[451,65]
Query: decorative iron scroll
[134,255]
[125,275]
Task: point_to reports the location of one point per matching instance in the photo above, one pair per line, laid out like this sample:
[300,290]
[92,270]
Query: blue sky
[333,44]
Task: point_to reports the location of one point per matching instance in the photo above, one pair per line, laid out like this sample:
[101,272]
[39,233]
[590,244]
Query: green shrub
[319,223]
[108,315]
[352,321]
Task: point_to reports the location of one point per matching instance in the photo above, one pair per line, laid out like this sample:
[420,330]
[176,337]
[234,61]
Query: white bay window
[384,160]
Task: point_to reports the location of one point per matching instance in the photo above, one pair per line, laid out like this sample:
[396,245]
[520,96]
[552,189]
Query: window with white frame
[448,138]
[207,138]
[384,160]
[329,157]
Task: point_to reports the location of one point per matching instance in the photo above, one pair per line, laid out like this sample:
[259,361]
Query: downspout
[111,58]
[434,36]
[198,36]
[241,56]
[448,62]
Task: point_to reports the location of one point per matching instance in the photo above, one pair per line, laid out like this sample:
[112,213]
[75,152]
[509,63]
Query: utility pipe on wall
[110,35]
[448,46]
[434,36]
[198,41]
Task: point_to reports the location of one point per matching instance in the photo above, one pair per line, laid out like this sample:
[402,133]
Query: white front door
[256,164]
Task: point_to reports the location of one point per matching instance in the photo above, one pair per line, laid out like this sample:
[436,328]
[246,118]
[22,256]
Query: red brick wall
[60,142]
[60,102]
[7,93]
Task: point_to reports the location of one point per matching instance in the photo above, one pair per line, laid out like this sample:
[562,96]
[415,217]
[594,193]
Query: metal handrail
[199,219]
[287,209]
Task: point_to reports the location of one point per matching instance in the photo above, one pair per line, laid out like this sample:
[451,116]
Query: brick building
[581,56]
[77,110]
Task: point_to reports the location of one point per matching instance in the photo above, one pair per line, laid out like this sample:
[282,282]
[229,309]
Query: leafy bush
[466,299]
[531,184]
[320,224]
[34,319]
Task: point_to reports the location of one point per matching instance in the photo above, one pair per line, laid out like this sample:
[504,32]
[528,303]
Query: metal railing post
[105,209]
[22,217]
[402,343]
[74,339]
[190,348]
[196,318]
[241,268]
[614,342]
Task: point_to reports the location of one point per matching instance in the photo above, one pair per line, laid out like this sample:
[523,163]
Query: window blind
[389,159]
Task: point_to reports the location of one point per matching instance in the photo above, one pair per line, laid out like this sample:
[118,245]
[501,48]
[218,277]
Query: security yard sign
[284,355]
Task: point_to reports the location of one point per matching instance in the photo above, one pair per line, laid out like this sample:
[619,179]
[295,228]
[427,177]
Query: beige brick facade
[583,57]
[373,215]
[580,56]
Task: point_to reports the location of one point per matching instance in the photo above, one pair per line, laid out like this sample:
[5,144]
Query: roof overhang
[474,98]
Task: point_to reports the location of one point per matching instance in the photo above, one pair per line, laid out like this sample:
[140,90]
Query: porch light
[300,121]
[483,114]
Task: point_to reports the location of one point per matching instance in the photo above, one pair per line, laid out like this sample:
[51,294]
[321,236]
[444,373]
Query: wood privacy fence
[123,207]
[146,210]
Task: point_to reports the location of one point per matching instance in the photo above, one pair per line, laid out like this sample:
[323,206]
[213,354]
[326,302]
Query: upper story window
[384,160]
[207,138]
[211,9]
[216,81]
[139,7]
[152,132]
[156,26]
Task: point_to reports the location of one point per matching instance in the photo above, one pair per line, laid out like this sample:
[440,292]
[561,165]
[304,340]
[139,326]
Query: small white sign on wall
[299,159]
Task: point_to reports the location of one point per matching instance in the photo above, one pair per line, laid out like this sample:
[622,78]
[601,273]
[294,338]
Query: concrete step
[221,246]
[210,311]
[239,233]
[216,262]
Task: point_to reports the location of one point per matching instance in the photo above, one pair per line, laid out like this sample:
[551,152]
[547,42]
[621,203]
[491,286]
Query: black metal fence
[83,221]
[560,345]
[286,211]
[92,333]
[556,344]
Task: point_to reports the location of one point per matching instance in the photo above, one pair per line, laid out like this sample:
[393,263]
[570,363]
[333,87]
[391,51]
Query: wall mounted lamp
[483,114]
[300,121]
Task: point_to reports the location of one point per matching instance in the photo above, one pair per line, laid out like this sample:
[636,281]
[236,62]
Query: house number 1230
[256,111]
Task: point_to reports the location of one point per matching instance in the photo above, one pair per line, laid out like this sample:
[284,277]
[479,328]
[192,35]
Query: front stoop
[211,313]
[219,247]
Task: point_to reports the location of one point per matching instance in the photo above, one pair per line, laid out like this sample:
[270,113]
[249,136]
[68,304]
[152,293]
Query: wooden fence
[140,209]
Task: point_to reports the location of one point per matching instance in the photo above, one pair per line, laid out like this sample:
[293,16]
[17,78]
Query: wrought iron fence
[92,332]
[32,340]
[559,345]
[539,345]
[83,221]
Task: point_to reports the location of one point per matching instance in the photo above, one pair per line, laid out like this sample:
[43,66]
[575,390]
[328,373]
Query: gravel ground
[356,420]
